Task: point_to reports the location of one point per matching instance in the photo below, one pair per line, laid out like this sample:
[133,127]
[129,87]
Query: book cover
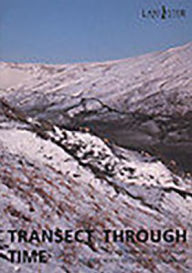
[95,136]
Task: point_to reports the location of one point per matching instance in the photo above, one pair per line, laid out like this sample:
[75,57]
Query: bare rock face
[64,162]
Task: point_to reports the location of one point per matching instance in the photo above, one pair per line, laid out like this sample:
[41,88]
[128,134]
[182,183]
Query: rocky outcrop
[64,162]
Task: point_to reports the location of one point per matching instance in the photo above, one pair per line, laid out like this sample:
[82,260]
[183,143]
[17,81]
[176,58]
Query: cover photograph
[96,136]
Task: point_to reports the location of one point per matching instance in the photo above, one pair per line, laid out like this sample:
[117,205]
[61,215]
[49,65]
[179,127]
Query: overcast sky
[65,31]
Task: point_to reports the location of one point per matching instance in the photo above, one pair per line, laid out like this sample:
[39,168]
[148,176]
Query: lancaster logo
[163,13]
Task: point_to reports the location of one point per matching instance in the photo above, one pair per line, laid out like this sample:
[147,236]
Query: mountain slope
[52,178]
[139,103]
[66,163]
